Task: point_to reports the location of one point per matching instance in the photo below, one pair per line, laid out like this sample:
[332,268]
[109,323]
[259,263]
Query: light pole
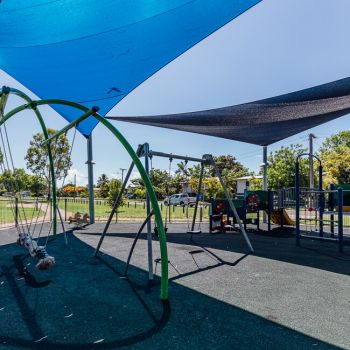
[122,170]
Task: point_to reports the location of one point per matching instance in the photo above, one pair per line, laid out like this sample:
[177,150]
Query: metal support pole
[311,161]
[297,203]
[198,196]
[16,211]
[340,220]
[116,204]
[174,156]
[331,208]
[149,225]
[264,168]
[269,209]
[322,199]
[265,164]
[147,220]
[210,159]
[90,165]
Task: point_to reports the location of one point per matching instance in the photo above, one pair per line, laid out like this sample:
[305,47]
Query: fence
[33,210]
[310,201]
[36,209]
[130,210]
[26,211]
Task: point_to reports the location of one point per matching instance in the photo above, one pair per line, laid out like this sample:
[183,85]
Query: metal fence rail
[130,210]
[35,209]
[27,210]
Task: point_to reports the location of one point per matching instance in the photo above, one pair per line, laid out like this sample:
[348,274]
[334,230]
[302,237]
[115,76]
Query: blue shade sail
[261,122]
[95,52]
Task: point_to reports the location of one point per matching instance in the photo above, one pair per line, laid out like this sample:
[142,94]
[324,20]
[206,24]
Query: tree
[182,170]
[139,193]
[195,170]
[161,182]
[228,163]
[114,189]
[16,181]
[103,185]
[37,185]
[38,160]
[336,165]
[211,187]
[230,169]
[8,181]
[335,156]
[336,141]
[281,170]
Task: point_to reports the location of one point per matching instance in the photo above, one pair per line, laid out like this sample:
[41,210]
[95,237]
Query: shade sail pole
[265,165]
[149,210]
[90,164]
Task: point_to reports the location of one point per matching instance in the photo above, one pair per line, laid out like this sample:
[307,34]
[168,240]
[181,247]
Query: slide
[276,218]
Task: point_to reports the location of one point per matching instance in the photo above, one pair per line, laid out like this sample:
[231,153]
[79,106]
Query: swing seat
[38,252]
[45,260]
[155,230]
[195,232]
[45,263]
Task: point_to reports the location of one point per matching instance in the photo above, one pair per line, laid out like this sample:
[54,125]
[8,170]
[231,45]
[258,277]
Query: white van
[181,199]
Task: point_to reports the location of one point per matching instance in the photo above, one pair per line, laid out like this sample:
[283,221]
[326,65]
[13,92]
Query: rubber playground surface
[282,297]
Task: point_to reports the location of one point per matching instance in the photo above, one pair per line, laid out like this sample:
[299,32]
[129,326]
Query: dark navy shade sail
[265,121]
[96,51]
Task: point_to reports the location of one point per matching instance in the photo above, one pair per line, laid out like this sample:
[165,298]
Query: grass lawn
[7,212]
[129,211]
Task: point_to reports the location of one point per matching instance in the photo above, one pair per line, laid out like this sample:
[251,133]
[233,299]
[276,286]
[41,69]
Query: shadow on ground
[83,303]
[278,245]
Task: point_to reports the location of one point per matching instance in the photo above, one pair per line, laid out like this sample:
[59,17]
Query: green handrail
[140,168]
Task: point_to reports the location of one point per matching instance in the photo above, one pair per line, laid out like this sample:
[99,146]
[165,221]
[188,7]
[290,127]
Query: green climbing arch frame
[6,90]
[93,112]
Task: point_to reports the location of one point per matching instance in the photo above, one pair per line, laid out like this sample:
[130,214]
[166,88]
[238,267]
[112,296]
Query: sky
[274,48]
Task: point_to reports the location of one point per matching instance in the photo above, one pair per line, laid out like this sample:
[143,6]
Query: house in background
[243,183]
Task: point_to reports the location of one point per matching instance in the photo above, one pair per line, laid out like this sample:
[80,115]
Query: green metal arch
[46,136]
[139,166]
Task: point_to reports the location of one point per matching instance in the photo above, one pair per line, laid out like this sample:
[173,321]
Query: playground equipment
[33,105]
[317,201]
[252,203]
[280,217]
[143,151]
[27,226]
[79,219]
[221,218]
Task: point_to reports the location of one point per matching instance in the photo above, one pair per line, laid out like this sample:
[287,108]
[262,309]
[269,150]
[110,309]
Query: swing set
[143,151]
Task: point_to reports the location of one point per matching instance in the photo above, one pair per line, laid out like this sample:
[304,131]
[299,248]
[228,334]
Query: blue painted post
[90,164]
[297,203]
[269,208]
[340,219]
